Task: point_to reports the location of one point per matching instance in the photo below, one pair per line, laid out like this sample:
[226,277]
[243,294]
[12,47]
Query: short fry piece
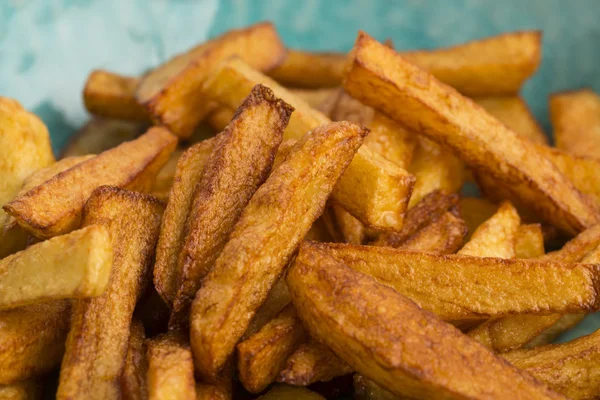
[54,207]
[270,228]
[111,95]
[411,351]
[25,390]
[170,368]
[171,92]
[529,242]
[97,342]
[442,114]
[82,259]
[133,380]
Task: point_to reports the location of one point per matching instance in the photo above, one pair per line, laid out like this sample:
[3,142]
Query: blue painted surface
[48,47]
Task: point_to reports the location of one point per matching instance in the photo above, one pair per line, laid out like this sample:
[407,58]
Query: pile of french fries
[248,220]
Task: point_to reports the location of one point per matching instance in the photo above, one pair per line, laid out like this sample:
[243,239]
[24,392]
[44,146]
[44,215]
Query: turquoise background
[47,48]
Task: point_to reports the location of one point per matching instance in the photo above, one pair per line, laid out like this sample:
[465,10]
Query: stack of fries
[250,220]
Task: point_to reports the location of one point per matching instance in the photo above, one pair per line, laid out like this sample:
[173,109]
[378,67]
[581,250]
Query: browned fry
[268,232]
[314,97]
[172,92]
[97,342]
[112,95]
[54,207]
[445,235]
[569,368]
[576,121]
[32,339]
[474,211]
[529,242]
[133,380]
[240,163]
[164,179]
[188,173]
[310,70]
[372,189]
[366,389]
[263,355]
[514,113]
[381,78]
[30,389]
[170,368]
[389,339]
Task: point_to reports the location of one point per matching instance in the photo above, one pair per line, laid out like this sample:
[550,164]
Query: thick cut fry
[569,368]
[54,207]
[270,228]
[314,97]
[286,392]
[389,339]
[391,140]
[310,70]
[133,380]
[112,95]
[529,242]
[496,237]
[164,179]
[172,92]
[188,173]
[97,342]
[372,189]
[66,267]
[25,390]
[381,78]
[240,163]
[263,355]
[514,113]
[170,369]
[32,339]
[366,389]
[576,121]
[445,235]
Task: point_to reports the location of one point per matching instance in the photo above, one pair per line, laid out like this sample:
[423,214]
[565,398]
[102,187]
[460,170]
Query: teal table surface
[47,48]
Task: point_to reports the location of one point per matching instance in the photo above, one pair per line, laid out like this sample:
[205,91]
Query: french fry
[270,228]
[188,173]
[170,368]
[575,118]
[164,178]
[391,140]
[352,230]
[442,114]
[32,339]
[569,368]
[133,380]
[81,259]
[474,211]
[54,207]
[310,70]
[97,343]
[553,329]
[286,392]
[313,97]
[240,163]
[279,297]
[24,390]
[366,389]
[260,360]
[111,95]
[343,308]
[171,93]
[529,242]
[496,237]
[514,113]
[372,189]
[445,235]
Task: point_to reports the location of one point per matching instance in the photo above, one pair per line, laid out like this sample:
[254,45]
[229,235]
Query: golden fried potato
[133,380]
[30,389]
[263,355]
[514,113]
[389,339]
[171,92]
[188,173]
[314,97]
[372,189]
[445,235]
[575,118]
[219,118]
[55,206]
[164,179]
[366,389]
[32,339]
[240,163]
[71,266]
[170,368]
[111,95]
[381,78]
[286,392]
[474,211]
[278,298]
[310,70]
[529,242]
[97,342]
[268,232]
[551,330]
[569,368]
[391,140]
[351,229]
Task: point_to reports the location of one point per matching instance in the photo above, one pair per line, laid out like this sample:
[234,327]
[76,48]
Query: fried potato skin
[170,368]
[97,343]
[388,338]
[30,389]
[54,207]
[133,380]
[269,230]
[188,173]
[529,242]
[240,163]
[111,95]
[70,266]
[379,77]
[32,339]
[171,92]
